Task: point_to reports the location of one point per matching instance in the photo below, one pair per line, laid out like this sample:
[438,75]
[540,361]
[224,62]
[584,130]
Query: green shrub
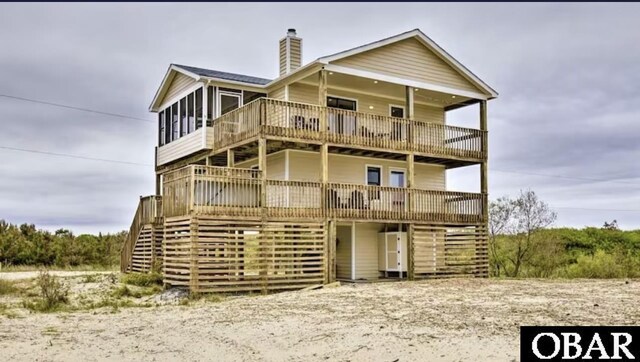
[124,291]
[53,294]
[604,265]
[90,278]
[142,280]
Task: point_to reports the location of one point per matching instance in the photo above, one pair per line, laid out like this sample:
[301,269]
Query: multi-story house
[335,170]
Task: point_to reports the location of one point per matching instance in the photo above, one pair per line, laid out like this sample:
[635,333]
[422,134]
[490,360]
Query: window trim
[404,110]
[366,174]
[346,99]
[221,93]
[398,169]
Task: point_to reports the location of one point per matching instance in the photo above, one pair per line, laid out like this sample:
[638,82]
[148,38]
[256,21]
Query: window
[161,131]
[183,117]
[175,125]
[228,102]
[198,108]
[342,122]
[373,175]
[397,178]
[374,178]
[340,103]
[397,112]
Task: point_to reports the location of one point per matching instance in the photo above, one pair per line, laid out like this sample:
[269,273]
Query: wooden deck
[300,122]
[236,192]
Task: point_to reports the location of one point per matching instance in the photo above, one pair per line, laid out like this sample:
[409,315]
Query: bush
[53,294]
[26,245]
[604,265]
[142,280]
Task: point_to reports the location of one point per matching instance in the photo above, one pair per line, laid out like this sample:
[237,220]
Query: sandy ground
[443,320]
[59,273]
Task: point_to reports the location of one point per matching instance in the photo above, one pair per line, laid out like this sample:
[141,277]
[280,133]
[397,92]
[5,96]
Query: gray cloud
[567,74]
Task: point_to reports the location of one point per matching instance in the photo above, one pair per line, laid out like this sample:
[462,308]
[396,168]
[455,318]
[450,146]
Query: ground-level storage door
[393,252]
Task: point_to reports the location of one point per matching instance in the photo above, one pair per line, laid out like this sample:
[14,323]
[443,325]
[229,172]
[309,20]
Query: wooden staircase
[143,246]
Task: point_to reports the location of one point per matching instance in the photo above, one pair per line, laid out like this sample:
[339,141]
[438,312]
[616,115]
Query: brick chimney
[290,52]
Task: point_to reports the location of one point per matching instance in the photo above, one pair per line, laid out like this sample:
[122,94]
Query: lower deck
[209,254]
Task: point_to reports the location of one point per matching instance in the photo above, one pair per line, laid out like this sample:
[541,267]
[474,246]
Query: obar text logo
[579,344]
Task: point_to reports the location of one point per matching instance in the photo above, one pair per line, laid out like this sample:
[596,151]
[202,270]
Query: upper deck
[300,122]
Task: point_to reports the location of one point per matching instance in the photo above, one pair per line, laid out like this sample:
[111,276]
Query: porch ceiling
[393,91]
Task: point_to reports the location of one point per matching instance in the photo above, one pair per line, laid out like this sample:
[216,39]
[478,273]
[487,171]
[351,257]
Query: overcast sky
[568,77]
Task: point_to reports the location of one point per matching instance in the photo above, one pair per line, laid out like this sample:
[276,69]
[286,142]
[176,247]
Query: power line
[73,156]
[565,177]
[149,165]
[77,108]
[150,121]
[590,209]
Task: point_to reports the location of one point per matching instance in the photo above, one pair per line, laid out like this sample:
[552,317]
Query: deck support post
[192,188]
[410,207]
[409,102]
[484,182]
[262,166]
[483,266]
[410,116]
[231,158]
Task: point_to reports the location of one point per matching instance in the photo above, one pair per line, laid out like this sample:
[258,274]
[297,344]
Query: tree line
[26,245]
[522,244]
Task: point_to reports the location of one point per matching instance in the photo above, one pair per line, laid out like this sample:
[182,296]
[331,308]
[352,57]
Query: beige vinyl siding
[181,147]
[303,166]
[277,93]
[275,165]
[179,84]
[430,177]
[305,93]
[295,47]
[343,252]
[409,59]
[367,250]
[283,56]
[431,114]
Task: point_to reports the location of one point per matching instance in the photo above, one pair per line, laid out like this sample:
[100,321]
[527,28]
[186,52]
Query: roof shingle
[224,75]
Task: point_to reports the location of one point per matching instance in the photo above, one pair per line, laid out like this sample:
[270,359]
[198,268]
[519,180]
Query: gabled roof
[426,41]
[209,73]
[199,73]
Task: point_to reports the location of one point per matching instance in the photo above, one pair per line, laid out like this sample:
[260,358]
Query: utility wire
[149,165]
[73,156]
[590,209]
[77,108]
[150,121]
[565,177]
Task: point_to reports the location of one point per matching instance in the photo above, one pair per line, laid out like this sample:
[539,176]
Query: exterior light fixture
[330,73]
[370,107]
[375,82]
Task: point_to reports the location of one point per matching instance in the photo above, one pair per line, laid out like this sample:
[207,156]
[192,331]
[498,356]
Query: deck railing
[290,120]
[149,211]
[238,192]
